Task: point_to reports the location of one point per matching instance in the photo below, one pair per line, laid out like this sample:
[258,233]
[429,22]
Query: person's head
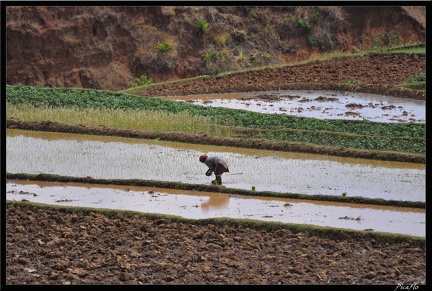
[203,158]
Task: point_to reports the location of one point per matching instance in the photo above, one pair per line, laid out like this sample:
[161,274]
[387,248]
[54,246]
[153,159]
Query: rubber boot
[219,180]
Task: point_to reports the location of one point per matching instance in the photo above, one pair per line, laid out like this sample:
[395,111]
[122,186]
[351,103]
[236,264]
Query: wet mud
[59,246]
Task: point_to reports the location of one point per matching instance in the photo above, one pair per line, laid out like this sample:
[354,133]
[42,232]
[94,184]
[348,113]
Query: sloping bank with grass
[100,112]
[363,72]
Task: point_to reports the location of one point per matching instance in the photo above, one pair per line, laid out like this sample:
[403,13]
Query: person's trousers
[220,169]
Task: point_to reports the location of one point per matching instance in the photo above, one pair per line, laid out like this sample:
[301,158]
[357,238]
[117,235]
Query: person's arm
[211,163]
[209,172]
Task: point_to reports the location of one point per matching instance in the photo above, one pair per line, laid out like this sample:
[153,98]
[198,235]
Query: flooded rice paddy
[126,158]
[198,205]
[318,104]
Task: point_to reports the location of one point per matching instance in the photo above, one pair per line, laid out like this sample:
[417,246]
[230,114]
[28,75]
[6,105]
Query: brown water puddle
[200,205]
[317,104]
[127,158]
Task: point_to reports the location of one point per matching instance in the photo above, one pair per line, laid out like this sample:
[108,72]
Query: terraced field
[64,246]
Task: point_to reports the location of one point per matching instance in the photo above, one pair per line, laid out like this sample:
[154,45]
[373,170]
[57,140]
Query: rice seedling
[117,118]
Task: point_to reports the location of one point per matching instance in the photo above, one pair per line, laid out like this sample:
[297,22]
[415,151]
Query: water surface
[318,104]
[127,158]
[200,205]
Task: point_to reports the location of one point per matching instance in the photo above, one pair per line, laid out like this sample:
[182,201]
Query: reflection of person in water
[216,200]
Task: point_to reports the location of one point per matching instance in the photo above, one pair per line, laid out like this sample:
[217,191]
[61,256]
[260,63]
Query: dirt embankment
[379,74]
[90,248]
[105,47]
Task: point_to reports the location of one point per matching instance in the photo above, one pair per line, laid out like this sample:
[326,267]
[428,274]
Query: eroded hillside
[108,47]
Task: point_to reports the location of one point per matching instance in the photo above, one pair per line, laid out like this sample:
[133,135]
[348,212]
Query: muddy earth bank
[59,247]
[107,47]
[378,74]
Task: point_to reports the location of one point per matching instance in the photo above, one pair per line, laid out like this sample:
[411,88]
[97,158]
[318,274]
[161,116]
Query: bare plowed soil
[378,74]
[58,247]
[55,247]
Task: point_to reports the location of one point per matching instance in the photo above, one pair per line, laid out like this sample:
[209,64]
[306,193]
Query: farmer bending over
[215,164]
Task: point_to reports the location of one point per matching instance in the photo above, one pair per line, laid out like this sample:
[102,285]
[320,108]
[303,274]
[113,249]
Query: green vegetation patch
[410,138]
[415,83]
